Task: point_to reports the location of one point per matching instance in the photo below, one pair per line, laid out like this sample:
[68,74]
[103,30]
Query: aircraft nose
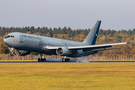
[5,41]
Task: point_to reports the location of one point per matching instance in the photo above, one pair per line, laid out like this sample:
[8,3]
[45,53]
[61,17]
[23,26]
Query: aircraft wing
[96,46]
[90,47]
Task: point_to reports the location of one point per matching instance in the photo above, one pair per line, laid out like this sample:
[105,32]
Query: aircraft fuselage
[36,43]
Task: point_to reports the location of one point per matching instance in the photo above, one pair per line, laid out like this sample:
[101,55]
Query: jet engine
[62,51]
[22,52]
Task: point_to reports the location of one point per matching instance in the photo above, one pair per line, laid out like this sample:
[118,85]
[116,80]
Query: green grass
[16,60]
[67,76]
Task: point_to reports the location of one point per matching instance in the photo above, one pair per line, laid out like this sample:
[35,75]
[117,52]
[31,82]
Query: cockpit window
[9,36]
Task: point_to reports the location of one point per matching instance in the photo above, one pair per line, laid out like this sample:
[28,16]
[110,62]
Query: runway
[59,61]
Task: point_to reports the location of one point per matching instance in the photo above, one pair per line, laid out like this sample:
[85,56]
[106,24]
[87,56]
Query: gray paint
[36,43]
[92,36]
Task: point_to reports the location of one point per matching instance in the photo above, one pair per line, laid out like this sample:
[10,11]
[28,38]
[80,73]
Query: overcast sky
[77,14]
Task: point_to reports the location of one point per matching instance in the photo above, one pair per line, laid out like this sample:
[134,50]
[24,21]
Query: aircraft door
[21,42]
[40,44]
[21,39]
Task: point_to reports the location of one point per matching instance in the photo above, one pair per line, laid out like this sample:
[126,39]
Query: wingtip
[128,42]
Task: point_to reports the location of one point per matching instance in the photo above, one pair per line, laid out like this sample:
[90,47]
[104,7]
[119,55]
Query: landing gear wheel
[68,60]
[44,59]
[65,60]
[41,59]
[11,54]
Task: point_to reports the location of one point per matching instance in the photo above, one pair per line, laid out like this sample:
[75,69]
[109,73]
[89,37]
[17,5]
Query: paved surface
[72,61]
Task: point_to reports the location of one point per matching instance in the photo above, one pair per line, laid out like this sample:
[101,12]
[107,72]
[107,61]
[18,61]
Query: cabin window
[9,36]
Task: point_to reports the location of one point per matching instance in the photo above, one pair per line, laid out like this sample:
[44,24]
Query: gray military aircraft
[24,43]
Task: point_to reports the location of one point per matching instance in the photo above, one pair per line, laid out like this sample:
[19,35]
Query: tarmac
[71,61]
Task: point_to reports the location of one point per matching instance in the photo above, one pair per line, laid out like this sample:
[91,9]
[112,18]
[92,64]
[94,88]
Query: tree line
[104,36]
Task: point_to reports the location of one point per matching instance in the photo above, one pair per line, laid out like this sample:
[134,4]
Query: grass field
[67,76]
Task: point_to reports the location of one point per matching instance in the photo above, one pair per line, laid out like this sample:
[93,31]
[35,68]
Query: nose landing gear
[12,52]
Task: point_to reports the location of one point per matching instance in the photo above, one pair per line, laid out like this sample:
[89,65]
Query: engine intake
[62,51]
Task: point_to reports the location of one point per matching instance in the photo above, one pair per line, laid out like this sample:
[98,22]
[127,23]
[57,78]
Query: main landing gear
[65,59]
[41,59]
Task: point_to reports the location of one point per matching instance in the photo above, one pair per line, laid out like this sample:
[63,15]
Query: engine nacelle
[22,52]
[62,51]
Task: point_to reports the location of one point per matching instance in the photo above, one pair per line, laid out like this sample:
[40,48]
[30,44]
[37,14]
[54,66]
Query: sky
[77,14]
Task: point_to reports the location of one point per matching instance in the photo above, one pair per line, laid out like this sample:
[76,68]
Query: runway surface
[72,61]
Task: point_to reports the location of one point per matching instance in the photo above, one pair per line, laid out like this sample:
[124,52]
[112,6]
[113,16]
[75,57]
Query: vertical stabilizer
[92,36]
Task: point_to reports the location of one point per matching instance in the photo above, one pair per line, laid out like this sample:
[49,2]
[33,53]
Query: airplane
[24,43]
